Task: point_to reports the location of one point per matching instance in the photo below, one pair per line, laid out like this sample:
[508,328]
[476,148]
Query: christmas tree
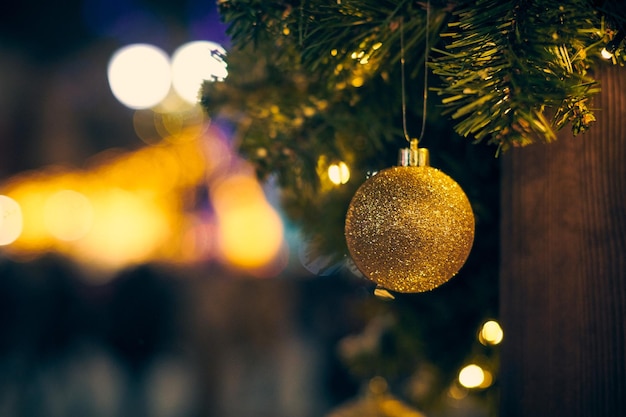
[313,83]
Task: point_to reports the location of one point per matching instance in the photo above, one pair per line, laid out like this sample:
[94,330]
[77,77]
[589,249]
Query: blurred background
[145,271]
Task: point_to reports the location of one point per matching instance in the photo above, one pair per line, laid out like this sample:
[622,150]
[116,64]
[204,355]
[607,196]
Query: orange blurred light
[127,229]
[131,207]
[68,215]
[250,232]
[30,193]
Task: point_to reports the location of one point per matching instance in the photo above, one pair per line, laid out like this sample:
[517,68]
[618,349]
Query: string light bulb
[609,50]
[339,173]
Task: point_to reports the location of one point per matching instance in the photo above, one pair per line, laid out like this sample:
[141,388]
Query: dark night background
[152,341]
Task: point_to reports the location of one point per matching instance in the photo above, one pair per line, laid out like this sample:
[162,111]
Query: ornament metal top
[410,228]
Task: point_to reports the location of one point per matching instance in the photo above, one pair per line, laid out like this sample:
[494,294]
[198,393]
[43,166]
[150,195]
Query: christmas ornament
[410,228]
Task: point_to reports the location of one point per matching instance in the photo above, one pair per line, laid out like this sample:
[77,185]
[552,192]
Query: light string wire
[402,76]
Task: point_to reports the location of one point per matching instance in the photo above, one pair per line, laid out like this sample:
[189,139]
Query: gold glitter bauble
[409,228]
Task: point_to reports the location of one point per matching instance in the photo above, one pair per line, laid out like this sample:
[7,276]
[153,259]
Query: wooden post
[563,270]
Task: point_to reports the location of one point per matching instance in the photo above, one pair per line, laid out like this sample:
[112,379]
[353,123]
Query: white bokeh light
[195,62]
[472,376]
[339,173]
[139,75]
[11,221]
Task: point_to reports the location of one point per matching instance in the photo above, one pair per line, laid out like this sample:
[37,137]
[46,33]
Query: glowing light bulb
[609,50]
[339,173]
[472,376]
[139,75]
[196,62]
[491,333]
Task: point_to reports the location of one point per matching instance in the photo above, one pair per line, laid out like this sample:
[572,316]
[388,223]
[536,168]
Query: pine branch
[345,42]
[508,64]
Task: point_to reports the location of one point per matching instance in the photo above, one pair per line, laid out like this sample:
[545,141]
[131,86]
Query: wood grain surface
[563,268]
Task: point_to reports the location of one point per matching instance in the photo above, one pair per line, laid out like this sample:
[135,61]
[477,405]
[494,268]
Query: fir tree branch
[509,63]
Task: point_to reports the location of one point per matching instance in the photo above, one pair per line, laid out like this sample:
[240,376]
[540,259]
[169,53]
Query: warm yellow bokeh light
[127,208]
[491,333]
[472,376]
[31,193]
[487,379]
[339,173]
[231,192]
[127,228]
[357,81]
[195,62]
[68,215]
[124,208]
[11,221]
[139,75]
[250,237]
[250,232]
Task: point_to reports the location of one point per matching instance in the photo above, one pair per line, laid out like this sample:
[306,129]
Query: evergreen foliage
[503,70]
[316,81]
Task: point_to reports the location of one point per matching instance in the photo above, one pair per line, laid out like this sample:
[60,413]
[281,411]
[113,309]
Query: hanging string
[406,134]
[425,96]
